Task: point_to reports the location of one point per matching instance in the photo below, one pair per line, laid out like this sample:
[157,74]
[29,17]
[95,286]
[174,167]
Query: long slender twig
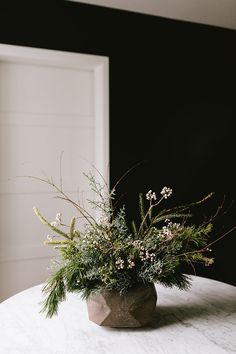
[82,211]
[205,248]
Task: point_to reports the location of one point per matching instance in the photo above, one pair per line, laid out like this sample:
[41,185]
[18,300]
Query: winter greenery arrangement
[109,254]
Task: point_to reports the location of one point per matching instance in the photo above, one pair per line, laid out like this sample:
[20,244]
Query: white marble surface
[201,320]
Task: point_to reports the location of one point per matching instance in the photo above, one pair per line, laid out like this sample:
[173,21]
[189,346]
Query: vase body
[135,308]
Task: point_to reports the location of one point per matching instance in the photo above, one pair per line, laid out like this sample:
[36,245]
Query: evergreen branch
[169,216]
[55,243]
[184,207]
[141,206]
[55,291]
[134,228]
[72,227]
[45,222]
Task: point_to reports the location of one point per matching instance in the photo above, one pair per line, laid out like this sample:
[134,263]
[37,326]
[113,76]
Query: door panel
[51,103]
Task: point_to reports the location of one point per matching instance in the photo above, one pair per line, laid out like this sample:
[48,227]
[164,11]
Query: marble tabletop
[201,320]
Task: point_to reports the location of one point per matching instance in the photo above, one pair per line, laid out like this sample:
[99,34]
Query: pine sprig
[55,292]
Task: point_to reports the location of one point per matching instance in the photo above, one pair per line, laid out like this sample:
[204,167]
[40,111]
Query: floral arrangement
[109,254]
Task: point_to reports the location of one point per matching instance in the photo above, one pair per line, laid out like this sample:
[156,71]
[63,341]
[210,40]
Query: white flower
[167,233]
[152,256]
[131,264]
[50,238]
[137,243]
[120,263]
[57,221]
[174,225]
[166,192]
[151,195]
[146,256]
[102,220]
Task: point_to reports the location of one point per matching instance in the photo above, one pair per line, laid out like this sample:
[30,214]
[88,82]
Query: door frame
[100,67]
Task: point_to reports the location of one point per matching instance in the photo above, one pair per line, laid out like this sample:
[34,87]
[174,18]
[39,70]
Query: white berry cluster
[166,192]
[120,263]
[166,233]
[103,220]
[57,221]
[131,263]
[170,230]
[145,255]
[151,195]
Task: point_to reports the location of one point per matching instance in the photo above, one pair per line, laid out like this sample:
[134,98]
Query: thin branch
[205,248]
[191,264]
[83,212]
[124,175]
[61,155]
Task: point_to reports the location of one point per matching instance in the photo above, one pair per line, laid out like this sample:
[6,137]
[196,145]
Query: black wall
[172,102]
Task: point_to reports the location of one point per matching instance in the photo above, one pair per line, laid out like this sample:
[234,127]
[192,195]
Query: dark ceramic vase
[135,308]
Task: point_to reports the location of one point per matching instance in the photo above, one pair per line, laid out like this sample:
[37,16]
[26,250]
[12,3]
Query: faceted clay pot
[135,308]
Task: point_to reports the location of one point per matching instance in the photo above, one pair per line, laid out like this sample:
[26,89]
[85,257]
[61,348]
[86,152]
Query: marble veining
[200,320]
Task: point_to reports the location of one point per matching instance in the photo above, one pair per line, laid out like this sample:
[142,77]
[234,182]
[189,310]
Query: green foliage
[107,254]
[55,288]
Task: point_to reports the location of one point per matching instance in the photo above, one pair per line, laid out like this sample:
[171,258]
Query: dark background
[172,103]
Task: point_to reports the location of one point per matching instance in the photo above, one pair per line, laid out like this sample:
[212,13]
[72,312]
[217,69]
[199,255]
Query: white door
[52,104]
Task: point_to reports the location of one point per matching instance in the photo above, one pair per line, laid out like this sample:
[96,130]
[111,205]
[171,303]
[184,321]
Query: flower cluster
[166,192]
[120,263]
[111,252]
[151,195]
[57,221]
